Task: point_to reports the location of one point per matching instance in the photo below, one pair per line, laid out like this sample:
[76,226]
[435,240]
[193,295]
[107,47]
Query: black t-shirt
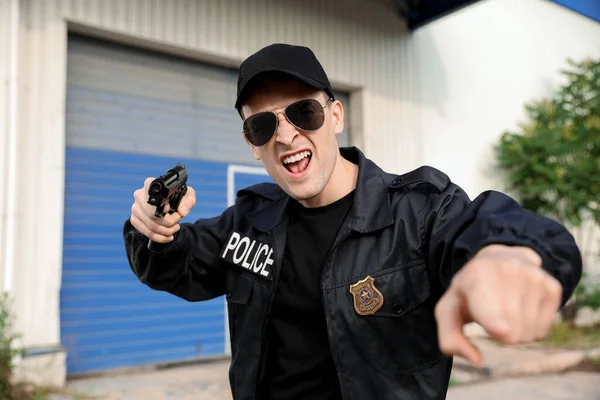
[299,363]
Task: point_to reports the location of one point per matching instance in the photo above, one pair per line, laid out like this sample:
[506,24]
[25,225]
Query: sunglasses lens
[259,128]
[307,115]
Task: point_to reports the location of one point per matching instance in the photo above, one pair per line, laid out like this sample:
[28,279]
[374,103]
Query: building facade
[99,95]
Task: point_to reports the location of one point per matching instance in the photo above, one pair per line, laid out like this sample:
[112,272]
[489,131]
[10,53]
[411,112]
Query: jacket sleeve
[189,266]
[456,228]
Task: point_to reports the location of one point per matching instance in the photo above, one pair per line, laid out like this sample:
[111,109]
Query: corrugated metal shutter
[132,114]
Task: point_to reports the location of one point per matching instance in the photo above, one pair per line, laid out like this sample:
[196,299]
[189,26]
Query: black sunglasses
[306,115]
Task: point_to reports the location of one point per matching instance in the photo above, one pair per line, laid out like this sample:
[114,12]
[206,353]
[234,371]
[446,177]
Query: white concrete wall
[363,45]
[9,25]
[478,67]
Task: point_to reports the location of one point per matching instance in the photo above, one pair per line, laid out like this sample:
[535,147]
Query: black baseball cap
[294,61]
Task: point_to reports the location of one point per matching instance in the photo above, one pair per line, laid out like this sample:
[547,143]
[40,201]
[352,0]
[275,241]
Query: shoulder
[425,177]
[261,192]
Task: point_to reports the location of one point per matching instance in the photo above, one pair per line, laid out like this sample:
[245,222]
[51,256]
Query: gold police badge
[367,299]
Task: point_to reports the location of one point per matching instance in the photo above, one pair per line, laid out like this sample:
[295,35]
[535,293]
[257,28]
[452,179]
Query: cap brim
[248,86]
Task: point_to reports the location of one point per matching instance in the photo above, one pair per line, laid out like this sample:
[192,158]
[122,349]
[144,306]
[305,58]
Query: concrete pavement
[209,382]
[509,373]
[196,382]
[568,386]
[501,361]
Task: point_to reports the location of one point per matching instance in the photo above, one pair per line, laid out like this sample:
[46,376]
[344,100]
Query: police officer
[344,281]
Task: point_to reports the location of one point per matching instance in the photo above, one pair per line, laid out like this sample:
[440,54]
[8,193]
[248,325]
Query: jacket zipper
[333,354]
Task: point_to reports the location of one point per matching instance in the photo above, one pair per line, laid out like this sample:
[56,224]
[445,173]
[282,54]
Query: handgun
[169,188]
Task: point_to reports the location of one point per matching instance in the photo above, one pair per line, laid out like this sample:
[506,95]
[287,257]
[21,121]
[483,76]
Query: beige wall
[362,44]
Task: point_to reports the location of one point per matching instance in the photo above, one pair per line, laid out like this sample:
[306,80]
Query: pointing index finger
[451,316]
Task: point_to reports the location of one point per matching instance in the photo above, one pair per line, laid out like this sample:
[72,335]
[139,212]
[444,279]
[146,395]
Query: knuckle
[137,224]
[189,200]
[437,312]
[445,346]
[530,336]
[543,332]
[161,229]
[537,277]
[514,266]
[148,181]
[509,338]
[440,308]
[512,337]
[541,336]
[469,278]
[157,237]
[169,229]
[166,226]
[170,220]
[448,344]
[443,342]
[166,221]
[554,288]
[461,276]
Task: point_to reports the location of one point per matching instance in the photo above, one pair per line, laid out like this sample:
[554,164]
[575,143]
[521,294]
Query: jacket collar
[370,210]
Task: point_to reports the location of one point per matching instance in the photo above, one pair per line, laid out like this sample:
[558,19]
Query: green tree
[552,161]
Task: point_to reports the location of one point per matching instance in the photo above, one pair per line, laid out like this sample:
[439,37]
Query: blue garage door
[133,114]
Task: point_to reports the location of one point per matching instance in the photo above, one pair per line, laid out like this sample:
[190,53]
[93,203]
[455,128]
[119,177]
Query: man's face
[300,162]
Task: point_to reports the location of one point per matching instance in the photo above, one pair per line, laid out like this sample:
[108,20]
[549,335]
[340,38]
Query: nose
[286,132]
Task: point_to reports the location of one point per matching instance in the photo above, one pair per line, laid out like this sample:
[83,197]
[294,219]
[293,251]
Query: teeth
[296,157]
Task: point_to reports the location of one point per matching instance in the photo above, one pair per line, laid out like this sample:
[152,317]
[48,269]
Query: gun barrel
[163,187]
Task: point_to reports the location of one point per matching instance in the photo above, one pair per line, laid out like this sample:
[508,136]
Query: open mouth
[298,162]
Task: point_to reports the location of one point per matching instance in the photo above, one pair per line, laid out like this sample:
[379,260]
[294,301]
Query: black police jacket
[396,252]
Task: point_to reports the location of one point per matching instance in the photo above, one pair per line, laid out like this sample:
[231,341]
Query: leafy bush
[552,161]
[9,350]
[7,347]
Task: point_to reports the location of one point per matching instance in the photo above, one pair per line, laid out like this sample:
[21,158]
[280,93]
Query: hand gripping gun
[169,188]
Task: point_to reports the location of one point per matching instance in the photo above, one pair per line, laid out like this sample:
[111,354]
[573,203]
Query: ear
[252,147]
[337,110]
